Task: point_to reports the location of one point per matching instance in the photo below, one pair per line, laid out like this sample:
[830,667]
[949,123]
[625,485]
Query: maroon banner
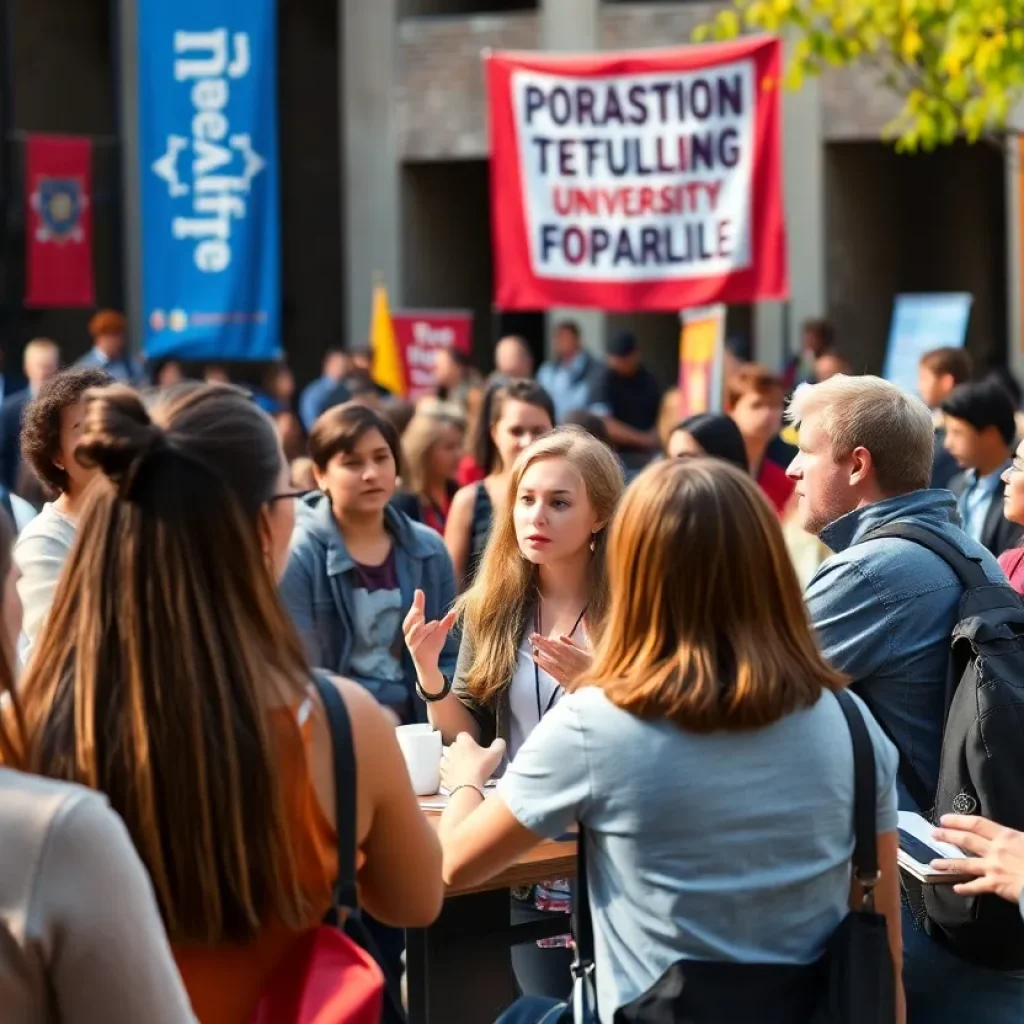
[421,334]
[58,234]
[637,181]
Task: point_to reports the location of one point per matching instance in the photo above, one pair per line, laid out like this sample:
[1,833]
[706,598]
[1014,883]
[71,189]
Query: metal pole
[131,223]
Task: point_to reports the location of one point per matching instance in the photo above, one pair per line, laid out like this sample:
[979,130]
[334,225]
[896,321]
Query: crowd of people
[590,596]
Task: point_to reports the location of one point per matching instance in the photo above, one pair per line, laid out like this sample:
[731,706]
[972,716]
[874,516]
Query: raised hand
[425,640]
[562,658]
[466,762]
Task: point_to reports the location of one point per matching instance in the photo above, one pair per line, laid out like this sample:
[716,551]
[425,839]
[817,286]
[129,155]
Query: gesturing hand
[999,863]
[425,639]
[563,659]
[466,762]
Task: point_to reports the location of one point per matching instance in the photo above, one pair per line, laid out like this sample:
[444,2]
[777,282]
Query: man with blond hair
[884,611]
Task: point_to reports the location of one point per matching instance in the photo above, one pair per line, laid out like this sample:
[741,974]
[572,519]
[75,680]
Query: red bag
[330,975]
[325,979]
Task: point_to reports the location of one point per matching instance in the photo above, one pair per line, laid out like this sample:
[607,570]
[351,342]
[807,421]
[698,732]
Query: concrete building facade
[863,222]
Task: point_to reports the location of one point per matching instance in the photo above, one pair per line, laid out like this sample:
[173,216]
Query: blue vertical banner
[210,233]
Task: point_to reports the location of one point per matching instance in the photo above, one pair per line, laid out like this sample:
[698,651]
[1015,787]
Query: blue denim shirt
[884,613]
[318,584]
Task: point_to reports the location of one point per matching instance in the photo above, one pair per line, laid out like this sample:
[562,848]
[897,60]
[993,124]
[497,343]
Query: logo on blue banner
[208,134]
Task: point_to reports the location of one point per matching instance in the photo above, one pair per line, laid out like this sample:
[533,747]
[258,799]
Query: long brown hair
[165,646]
[12,725]
[495,607]
[707,626]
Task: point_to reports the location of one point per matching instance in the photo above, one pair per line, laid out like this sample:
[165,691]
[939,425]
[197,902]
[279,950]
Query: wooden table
[459,970]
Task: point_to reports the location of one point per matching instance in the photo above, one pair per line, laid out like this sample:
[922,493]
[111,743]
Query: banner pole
[131,205]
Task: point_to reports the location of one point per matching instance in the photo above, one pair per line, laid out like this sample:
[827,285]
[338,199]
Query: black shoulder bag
[853,983]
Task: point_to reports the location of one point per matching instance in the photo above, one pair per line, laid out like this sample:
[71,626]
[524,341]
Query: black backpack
[981,770]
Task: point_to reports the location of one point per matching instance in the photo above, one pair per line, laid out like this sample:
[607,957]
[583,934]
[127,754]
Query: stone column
[131,182]
[1014,163]
[371,185]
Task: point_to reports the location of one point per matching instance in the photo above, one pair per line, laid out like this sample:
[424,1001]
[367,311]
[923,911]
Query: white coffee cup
[421,748]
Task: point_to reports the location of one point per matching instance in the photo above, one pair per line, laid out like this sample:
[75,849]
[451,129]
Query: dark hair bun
[117,434]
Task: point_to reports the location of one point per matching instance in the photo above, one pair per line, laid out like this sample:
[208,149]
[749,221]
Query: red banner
[421,335]
[639,181]
[58,234]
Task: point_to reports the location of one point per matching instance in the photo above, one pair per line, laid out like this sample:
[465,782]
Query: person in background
[571,377]
[41,360]
[356,561]
[1004,377]
[755,398]
[540,596]
[628,397]
[470,471]
[335,367]
[693,669]
[70,871]
[293,437]
[513,359]
[108,329]
[455,378]
[277,391]
[302,474]
[399,412]
[709,433]
[817,338]
[1012,560]
[669,414]
[358,387]
[519,412]
[51,431]
[938,373]
[590,422]
[980,435]
[216,373]
[830,364]
[884,613]
[172,681]
[431,449]
[167,373]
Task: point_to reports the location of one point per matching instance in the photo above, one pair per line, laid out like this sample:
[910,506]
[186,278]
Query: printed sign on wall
[642,181]
[421,334]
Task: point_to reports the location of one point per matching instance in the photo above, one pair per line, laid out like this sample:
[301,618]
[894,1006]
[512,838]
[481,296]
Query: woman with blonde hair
[705,756]
[541,593]
[431,450]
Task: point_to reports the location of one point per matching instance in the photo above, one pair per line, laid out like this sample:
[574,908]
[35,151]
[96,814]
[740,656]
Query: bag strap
[967,569]
[582,920]
[865,844]
[346,896]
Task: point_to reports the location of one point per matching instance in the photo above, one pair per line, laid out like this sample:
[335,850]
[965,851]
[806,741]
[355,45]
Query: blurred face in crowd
[625,366]
[970,447]
[1013,500]
[445,454]
[553,516]
[566,344]
[933,387]
[519,425]
[41,363]
[111,345]
[682,445]
[758,414]
[361,481]
[71,420]
[513,359]
[336,365]
[828,366]
[447,372]
[170,373]
[826,488]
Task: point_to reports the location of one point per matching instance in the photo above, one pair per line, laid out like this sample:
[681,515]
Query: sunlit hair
[166,644]
[707,626]
[425,430]
[495,608]
[11,723]
[868,412]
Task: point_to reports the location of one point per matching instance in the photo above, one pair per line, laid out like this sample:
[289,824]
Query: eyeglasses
[289,495]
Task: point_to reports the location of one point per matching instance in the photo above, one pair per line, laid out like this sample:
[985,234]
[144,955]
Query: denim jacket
[884,613]
[319,581]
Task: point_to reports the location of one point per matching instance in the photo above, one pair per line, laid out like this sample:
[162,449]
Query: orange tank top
[225,982]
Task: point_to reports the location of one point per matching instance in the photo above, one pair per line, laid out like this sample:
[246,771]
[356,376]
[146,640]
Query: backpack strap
[967,569]
[346,895]
[865,845]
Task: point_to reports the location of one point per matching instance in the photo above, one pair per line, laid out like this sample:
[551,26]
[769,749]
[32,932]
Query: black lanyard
[536,668]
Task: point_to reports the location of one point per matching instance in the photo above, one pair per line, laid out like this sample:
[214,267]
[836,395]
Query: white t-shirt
[523,695]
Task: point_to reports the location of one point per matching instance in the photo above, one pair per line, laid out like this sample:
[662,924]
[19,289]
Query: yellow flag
[387,360]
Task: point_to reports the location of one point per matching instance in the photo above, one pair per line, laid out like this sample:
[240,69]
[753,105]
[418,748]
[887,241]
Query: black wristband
[432,698]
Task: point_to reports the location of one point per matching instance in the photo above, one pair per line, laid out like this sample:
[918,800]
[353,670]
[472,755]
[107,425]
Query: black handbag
[853,983]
